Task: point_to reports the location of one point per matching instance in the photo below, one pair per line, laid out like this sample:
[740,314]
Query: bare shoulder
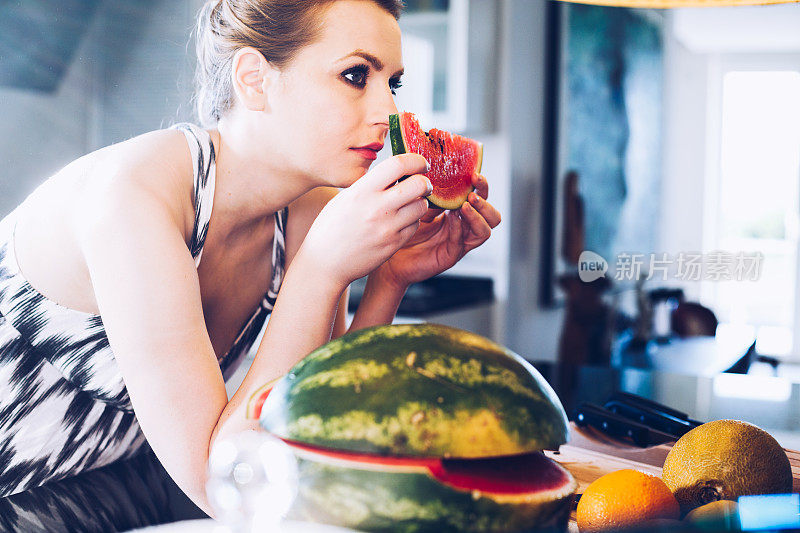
[138,189]
[302,213]
[154,168]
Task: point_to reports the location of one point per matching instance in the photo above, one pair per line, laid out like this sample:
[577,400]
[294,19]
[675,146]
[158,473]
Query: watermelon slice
[453,159]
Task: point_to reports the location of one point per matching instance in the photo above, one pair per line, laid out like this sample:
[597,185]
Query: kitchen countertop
[445,292]
[771,403]
[138,493]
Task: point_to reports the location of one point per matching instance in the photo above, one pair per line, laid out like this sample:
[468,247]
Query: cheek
[328,135]
[320,125]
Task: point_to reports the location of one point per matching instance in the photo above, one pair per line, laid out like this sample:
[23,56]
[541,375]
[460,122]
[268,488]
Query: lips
[369,151]
[374,146]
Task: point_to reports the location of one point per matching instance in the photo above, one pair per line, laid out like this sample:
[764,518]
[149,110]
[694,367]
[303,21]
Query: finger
[411,212]
[476,223]
[487,210]
[429,229]
[387,172]
[432,213]
[455,245]
[408,190]
[481,186]
[408,232]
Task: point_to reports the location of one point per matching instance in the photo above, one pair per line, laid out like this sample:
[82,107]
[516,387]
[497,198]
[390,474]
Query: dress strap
[204,170]
[278,258]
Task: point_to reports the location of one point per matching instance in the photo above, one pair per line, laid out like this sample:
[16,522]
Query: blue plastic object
[770,511]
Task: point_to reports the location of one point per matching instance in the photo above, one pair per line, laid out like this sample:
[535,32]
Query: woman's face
[334,99]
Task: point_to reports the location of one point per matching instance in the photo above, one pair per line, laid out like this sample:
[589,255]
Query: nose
[382,107]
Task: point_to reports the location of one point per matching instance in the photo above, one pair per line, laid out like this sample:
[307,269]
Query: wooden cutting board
[591,454]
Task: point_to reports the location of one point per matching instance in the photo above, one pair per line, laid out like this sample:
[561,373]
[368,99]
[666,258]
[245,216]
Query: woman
[112,328]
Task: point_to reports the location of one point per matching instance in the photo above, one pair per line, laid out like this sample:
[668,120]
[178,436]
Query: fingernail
[430,185]
[427,166]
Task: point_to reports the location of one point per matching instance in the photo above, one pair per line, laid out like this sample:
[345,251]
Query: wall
[142,52]
[42,132]
[104,96]
[529,329]
[683,193]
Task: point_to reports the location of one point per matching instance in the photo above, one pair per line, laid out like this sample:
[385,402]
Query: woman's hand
[363,225]
[443,238]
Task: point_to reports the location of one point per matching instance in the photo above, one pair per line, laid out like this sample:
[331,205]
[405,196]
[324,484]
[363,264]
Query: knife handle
[614,425]
[645,403]
[649,417]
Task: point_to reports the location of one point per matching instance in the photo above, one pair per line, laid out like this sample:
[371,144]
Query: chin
[349,178]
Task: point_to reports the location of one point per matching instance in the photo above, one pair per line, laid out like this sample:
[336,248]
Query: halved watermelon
[453,159]
[527,492]
[256,401]
[420,427]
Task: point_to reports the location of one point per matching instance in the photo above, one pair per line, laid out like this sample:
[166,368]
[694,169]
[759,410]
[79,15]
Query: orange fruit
[625,498]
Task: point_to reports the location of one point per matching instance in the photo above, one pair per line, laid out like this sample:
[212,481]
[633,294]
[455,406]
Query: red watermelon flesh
[454,160]
[512,475]
[517,474]
[509,475]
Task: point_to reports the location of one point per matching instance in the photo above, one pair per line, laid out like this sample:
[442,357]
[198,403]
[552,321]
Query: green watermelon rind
[398,143]
[396,135]
[355,394]
[368,499]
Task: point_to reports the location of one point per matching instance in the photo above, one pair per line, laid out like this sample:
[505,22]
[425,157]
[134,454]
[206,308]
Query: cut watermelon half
[520,475]
[453,159]
[256,401]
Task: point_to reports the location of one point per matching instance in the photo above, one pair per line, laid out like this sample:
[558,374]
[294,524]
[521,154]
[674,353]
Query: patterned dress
[64,408]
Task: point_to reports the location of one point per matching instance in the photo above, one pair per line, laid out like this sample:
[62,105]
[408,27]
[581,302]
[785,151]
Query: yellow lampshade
[659,4]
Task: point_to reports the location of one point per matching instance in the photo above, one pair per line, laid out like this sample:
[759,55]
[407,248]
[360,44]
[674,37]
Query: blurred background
[680,130]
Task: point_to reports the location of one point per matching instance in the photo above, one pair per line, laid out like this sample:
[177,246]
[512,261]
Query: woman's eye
[356,76]
[394,85]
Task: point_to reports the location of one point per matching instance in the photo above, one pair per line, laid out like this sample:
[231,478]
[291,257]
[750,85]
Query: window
[758,202]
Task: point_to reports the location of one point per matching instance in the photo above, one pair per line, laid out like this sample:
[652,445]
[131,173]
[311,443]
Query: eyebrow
[376,63]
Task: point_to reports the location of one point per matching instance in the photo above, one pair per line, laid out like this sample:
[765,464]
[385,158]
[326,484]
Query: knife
[653,418]
[616,425]
[639,401]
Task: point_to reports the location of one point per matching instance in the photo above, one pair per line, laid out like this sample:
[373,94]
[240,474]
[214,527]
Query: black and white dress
[64,408]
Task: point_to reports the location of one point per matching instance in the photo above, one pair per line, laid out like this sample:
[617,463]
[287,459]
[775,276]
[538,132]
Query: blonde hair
[276,28]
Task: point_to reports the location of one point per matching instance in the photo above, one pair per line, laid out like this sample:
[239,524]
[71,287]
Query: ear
[252,75]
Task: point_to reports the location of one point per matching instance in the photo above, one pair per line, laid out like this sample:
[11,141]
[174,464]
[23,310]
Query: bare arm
[378,304]
[381,298]
[147,291]
[340,322]
[312,304]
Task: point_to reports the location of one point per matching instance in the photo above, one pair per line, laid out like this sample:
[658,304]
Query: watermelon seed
[400,440]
